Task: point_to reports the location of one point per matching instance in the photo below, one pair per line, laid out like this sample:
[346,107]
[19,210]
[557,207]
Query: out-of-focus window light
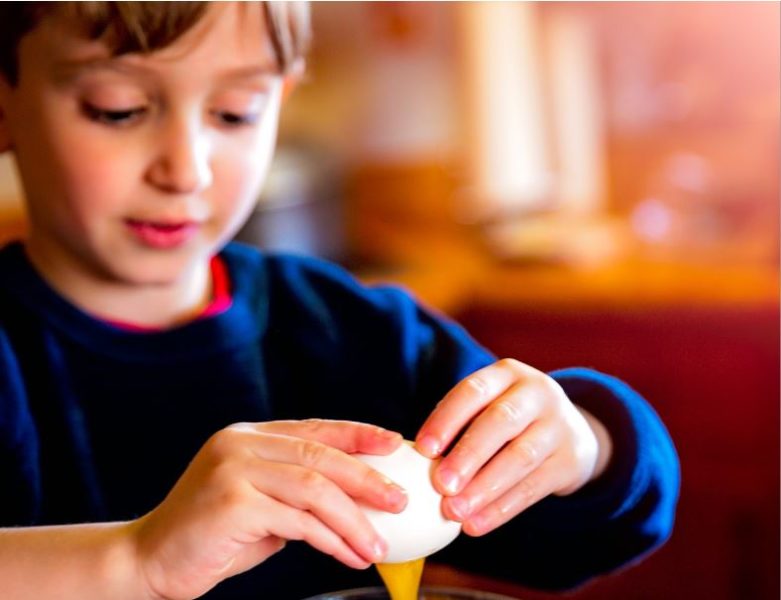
[507,145]
[545,122]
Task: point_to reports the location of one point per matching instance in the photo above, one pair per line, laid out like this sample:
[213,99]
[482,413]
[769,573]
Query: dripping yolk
[402,579]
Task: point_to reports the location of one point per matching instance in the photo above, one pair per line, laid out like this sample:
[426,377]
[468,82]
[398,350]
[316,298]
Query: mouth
[162,234]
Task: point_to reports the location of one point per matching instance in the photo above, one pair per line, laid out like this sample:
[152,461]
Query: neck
[154,305]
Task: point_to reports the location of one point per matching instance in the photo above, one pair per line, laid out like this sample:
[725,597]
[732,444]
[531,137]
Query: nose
[182,160]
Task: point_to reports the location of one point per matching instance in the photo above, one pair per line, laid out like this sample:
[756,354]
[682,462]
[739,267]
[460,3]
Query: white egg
[420,529]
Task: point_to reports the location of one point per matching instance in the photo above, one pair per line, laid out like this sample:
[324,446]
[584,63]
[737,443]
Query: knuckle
[223,443]
[526,491]
[510,364]
[241,426]
[525,453]
[311,454]
[477,384]
[551,387]
[314,426]
[545,393]
[507,411]
[313,482]
[224,474]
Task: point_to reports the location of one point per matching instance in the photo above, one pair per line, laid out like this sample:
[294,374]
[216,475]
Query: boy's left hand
[522,440]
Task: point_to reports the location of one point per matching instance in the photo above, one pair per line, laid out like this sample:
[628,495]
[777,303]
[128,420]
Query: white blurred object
[508,145]
[578,121]
[550,238]
[408,107]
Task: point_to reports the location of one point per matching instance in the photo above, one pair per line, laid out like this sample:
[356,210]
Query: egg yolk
[402,579]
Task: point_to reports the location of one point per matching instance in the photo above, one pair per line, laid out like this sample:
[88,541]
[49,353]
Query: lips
[162,234]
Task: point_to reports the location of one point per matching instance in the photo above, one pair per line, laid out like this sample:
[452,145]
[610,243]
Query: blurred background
[579,183]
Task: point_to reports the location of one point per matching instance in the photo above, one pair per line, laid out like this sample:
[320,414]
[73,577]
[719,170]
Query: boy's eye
[232,119]
[124,116]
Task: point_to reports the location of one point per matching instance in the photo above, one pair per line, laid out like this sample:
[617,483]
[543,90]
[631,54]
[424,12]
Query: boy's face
[137,168]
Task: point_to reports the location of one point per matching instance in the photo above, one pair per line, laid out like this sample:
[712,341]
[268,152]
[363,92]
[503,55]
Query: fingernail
[459,507]
[396,496]
[379,548]
[478,524]
[429,445]
[449,480]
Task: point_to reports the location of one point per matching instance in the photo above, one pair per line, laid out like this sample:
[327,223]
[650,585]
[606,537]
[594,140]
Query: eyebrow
[70,69]
[251,72]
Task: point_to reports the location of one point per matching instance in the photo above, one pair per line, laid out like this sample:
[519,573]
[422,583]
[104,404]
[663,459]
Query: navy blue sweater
[97,423]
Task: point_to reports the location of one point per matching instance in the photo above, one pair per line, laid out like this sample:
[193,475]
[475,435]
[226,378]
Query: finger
[271,516]
[501,421]
[515,461]
[531,489]
[353,476]
[310,491]
[462,403]
[348,436]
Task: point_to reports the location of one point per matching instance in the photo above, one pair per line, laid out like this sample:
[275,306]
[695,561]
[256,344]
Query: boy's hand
[522,440]
[253,486]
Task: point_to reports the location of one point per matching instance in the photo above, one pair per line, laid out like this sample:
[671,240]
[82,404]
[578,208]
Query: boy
[157,387]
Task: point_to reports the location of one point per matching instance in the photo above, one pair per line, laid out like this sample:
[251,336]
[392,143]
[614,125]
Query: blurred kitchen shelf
[467,280]
[629,284]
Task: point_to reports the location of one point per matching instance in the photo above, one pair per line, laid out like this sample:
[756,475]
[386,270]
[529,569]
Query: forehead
[231,36]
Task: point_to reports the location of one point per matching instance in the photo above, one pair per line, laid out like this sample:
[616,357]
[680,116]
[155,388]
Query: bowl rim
[426,588]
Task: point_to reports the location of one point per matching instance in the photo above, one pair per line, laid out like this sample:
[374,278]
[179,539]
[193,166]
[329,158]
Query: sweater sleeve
[562,542]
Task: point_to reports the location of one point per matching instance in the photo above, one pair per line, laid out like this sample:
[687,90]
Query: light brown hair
[144,26]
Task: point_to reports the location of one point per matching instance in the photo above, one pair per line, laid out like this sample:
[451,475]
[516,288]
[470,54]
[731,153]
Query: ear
[293,78]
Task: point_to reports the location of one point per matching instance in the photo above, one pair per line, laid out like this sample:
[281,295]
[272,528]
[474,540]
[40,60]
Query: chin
[155,272]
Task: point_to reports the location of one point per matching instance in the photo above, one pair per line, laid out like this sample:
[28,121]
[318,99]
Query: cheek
[68,180]
[241,176]
[96,161]
[86,171]
[236,195]
[247,160]
[95,181]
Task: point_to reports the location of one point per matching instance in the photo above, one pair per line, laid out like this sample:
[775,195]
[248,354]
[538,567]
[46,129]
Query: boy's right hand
[253,486]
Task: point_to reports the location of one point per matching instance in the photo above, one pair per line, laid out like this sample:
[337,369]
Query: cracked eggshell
[420,529]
